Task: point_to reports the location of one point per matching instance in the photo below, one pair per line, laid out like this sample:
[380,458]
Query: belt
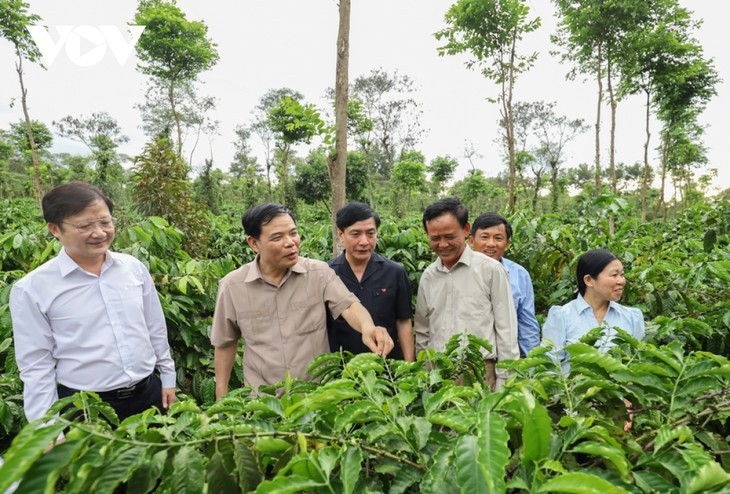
[121,393]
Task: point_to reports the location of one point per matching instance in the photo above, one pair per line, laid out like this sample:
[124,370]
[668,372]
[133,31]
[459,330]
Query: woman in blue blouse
[601,283]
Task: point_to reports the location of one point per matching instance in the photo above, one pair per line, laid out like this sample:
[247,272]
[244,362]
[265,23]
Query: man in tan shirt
[278,303]
[463,290]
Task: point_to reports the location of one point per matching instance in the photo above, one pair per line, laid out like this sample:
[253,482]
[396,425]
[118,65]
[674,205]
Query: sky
[266,44]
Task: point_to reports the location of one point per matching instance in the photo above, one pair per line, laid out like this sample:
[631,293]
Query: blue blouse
[568,323]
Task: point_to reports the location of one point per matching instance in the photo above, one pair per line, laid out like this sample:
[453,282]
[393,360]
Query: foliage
[372,424]
[161,189]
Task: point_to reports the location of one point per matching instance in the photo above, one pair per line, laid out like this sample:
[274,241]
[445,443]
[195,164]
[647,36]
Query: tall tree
[261,125]
[442,168]
[14,22]
[173,51]
[337,165]
[386,102]
[590,34]
[292,123]
[409,176]
[102,135]
[490,30]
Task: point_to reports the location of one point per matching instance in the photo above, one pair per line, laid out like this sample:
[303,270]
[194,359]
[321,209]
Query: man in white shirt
[463,290]
[89,319]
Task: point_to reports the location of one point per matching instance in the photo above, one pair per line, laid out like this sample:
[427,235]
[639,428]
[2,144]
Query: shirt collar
[68,265]
[465,259]
[582,305]
[255,273]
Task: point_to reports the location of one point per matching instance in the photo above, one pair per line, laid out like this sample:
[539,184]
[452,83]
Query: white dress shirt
[473,295]
[87,332]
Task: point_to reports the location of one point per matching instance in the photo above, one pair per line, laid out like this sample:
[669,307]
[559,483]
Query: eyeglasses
[90,226]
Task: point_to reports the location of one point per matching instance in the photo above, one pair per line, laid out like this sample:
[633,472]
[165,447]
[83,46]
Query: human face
[86,249]
[609,285]
[359,240]
[447,238]
[492,241]
[278,245]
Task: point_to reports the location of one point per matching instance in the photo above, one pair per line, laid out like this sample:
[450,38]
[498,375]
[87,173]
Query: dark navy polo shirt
[385,292]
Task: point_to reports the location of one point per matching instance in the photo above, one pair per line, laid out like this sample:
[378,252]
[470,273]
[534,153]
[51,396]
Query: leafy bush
[374,425]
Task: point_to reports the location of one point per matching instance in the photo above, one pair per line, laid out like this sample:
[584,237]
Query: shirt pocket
[308,315]
[255,326]
[131,290]
[383,301]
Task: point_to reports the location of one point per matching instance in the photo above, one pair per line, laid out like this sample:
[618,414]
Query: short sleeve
[637,326]
[404,309]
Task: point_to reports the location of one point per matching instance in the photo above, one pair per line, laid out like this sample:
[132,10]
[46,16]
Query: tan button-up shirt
[284,328]
[474,295]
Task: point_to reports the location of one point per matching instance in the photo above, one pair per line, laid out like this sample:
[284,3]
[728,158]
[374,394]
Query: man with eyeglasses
[89,319]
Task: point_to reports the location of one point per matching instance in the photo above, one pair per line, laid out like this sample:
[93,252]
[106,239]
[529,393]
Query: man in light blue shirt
[491,234]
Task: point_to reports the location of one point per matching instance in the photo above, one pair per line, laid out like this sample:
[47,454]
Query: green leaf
[350,468]
[359,412]
[26,448]
[650,481]
[457,421]
[247,465]
[580,483]
[287,485]
[406,477]
[145,478]
[42,476]
[667,434]
[438,478]
[710,477]
[604,451]
[189,477]
[219,479]
[182,285]
[469,476]
[118,469]
[536,434]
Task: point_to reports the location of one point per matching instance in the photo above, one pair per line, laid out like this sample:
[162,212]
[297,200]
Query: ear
[340,234]
[53,228]
[467,228]
[588,280]
[253,243]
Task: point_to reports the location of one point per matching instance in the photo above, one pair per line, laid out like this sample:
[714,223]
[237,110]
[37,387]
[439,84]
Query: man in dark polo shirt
[381,284]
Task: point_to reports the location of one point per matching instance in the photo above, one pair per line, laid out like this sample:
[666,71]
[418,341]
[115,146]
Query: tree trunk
[554,185]
[647,169]
[176,116]
[665,158]
[40,192]
[510,127]
[599,187]
[612,145]
[338,165]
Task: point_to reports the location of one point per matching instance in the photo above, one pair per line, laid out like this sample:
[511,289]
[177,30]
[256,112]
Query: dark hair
[488,220]
[256,217]
[351,213]
[450,205]
[69,199]
[592,263]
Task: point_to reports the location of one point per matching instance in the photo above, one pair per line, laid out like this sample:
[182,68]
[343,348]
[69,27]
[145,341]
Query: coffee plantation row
[371,425]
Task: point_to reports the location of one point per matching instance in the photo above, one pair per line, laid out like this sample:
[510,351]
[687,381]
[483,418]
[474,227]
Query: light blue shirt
[523,295]
[568,323]
[88,332]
